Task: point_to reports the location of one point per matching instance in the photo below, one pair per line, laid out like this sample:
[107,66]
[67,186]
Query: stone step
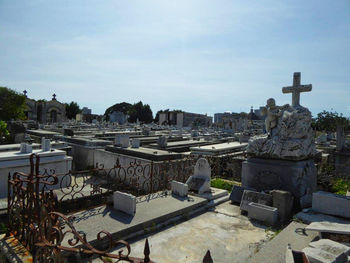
[214,194]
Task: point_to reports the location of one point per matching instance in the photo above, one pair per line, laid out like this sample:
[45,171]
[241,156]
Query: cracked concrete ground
[229,236]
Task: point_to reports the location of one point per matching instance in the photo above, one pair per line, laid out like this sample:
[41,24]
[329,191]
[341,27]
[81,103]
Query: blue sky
[200,56]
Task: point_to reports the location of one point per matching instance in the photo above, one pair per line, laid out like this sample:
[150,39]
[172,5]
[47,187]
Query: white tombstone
[26,148]
[23,148]
[122,141]
[200,180]
[45,144]
[202,168]
[117,140]
[29,148]
[135,143]
[124,202]
[163,141]
[179,189]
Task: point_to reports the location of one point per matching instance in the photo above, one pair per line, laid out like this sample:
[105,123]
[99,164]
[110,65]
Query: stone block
[263,213]
[135,143]
[162,141]
[327,251]
[255,197]
[23,148]
[45,144]
[179,189]
[124,202]
[237,193]
[29,148]
[297,177]
[283,201]
[331,204]
[329,227]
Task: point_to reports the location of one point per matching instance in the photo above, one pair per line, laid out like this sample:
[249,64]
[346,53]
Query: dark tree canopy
[72,109]
[12,105]
[123,107]
[139,111]
[328,121]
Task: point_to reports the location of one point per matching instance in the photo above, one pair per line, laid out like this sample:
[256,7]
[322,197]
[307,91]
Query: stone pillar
[340,138]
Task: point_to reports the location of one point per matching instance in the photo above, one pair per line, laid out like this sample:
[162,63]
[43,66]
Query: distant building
[86,111]
[45,111]
[118,117]
[184,119]
[218,116]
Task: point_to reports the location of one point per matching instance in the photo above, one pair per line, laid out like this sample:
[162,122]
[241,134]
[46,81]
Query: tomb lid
[145,153]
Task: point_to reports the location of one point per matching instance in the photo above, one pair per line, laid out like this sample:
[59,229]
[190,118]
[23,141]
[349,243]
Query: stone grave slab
[237,193]
[327,251]
[255,197]
[263,213]
[200,180]
[179,189]
[124,202]
[331,204]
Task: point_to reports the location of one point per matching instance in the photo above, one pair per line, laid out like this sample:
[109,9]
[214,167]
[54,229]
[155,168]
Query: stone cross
[25,93]
[54,96]
[296,89]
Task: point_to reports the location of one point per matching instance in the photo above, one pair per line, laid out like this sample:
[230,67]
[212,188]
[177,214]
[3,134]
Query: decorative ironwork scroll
[28,202]
[57,228]
[35,223]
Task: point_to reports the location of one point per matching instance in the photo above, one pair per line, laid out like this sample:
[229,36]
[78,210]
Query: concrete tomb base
[297,177]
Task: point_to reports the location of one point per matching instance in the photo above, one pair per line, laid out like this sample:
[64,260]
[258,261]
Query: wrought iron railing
[35,223]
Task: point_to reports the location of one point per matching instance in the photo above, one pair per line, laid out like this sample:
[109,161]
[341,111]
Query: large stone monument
[283,158]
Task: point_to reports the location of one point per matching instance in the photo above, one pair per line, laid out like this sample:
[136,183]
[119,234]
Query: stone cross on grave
[296,89]
[54,96]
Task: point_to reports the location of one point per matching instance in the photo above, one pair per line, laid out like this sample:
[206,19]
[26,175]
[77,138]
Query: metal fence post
[151,177]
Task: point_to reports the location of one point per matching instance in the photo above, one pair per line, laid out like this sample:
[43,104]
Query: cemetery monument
[283,158]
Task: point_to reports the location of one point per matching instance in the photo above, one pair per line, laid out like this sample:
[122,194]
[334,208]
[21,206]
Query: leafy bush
[341,186]
[222,184]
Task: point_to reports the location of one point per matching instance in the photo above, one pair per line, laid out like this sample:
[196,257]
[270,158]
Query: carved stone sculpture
[290,135]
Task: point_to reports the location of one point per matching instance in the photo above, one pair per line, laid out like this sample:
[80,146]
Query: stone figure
[272,113]
[290,135]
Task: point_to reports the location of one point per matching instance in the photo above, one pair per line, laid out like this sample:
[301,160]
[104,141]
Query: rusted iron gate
[35,223]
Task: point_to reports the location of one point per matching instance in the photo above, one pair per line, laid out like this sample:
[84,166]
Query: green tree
[12,105]
[4,133]
[123,107]
[72,109]
[328,121]
[140,111]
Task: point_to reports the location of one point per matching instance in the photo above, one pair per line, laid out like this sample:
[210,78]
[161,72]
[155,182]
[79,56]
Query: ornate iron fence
[35,223]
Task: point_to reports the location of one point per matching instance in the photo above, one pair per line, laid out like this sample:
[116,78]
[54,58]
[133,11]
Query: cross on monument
[25,93]
[54,96]
[296,89]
